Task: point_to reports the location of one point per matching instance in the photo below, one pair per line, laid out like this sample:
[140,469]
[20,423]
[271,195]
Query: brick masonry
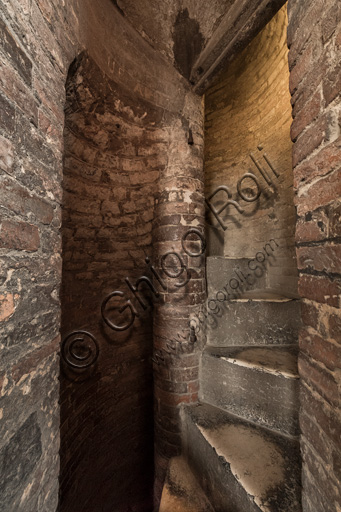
[180,205]
[248,108]
[146,96]
[41,39]
[314,38]
[30,172]
[111,169]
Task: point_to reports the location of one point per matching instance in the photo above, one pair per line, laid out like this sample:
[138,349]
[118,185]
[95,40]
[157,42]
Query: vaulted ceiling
[199,37]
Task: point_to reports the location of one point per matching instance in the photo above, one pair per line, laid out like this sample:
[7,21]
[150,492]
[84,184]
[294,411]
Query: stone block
[259,384]
[241,467]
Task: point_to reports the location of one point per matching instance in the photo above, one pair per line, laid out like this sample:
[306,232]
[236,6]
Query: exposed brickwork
[247,112]
[40,40]
[180,190]
[30,261]
[314,41]
[148,183]
[112,164]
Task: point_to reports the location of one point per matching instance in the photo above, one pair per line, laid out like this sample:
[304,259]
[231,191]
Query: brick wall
[314,38]
[40,40]
[180,206]
[32,74]
[113,156]
[248,115]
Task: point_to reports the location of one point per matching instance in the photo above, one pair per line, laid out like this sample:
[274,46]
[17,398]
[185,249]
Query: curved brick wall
[180,206]
[40,39]
[248,108]
[111,171]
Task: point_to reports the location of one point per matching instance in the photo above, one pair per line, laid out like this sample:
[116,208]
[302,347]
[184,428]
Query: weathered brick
[329,22]
[33,360]
[332,84]
[7,116]
[327,159]
[310,140]
[316,472]
[18,92]
[13,51]
[336,456]
[6,155]
[25,445]
[321,412]
[323,382]
[306,115]
[320,349]
[302,67]
[185,374]
[310,314]
[17,199]
[46,8]
[321,289]
[19,235]
[335,326]
[7,306]
[314,435]
[301,17]
[323,258]
[334,214]
[314,229]
[320,193]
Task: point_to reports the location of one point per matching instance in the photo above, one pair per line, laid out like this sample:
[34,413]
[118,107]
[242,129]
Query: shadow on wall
[107,421]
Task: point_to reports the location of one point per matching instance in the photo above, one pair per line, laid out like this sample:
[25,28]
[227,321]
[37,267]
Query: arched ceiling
[157,20]
[199,37]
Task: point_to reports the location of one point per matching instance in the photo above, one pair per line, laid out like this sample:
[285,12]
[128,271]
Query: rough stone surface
[181,492]
[315,88]
[259,384]
[120,152]
[18,459]
[255,322]
[132,43]
[246,469]
[158,22]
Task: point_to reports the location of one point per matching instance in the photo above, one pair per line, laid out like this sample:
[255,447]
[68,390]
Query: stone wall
[314,38]
[179,29]
[33,67]
[40,39]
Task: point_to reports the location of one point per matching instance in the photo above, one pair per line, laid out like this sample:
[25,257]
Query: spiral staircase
[240,446]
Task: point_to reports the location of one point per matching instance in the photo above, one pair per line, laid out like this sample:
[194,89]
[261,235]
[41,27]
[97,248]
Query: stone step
[241,466]
[260,384]
[233,273]
[257,319]
[181,491]
[240,275]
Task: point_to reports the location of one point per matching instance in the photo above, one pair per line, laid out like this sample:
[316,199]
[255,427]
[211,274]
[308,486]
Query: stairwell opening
[249,378]
[247,132]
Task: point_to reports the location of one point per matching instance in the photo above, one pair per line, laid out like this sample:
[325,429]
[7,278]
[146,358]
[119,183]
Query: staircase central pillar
[179,261]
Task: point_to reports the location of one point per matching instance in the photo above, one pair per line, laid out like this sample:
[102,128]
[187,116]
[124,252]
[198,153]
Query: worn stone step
[239,275]
[241,466]
[258,319]
[222,271]
[259,384]
[181,491]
